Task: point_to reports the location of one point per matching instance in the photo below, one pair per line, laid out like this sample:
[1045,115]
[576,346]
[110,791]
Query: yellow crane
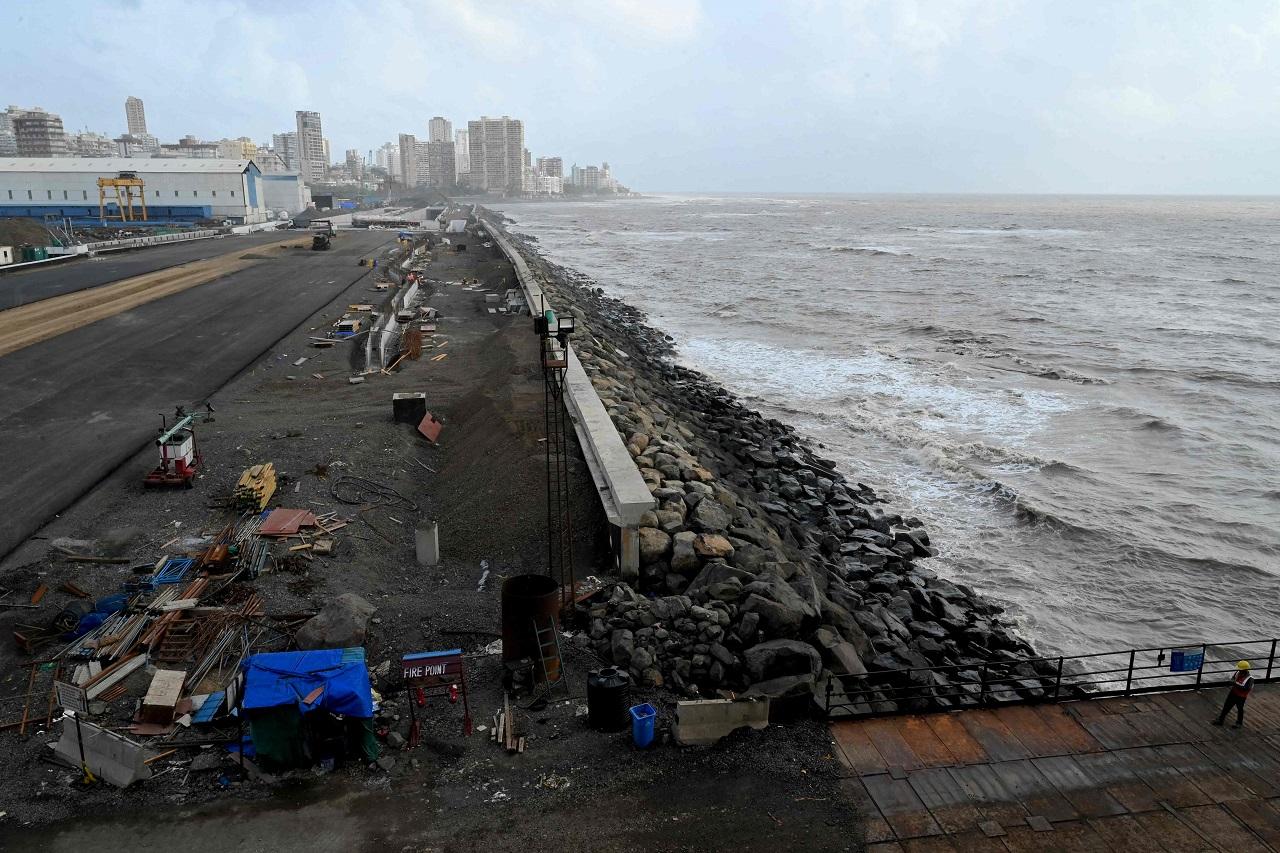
[123,186]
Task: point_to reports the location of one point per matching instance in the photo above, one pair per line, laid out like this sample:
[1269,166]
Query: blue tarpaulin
[276,679]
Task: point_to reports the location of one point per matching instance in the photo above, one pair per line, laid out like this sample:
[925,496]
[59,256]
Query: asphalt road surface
[78,405]
[25,286]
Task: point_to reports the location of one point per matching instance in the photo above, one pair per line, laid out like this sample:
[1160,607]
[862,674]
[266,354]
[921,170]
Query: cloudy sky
[1136,96]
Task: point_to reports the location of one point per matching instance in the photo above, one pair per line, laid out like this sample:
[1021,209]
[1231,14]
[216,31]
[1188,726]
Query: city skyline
[912,96]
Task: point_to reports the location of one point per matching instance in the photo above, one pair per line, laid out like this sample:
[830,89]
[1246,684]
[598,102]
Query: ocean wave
[874,251]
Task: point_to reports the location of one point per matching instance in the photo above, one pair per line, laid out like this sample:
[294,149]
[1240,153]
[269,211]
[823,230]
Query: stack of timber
[256,486]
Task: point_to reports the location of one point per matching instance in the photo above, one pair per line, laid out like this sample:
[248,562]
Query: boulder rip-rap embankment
[763,570]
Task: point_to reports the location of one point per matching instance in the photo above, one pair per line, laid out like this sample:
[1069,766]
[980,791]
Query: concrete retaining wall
[623,492]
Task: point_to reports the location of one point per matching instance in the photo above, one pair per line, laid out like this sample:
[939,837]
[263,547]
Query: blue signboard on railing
[1186,660]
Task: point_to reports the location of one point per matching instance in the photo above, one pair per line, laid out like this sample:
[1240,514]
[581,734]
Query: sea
[1080,396]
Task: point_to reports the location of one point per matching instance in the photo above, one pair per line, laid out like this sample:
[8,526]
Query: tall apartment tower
[135,115]
[439,129]
[462,154]
[286,147]
[551,167]
[496,153]
[39,134]
[408,160]
[312,163]
[355,166]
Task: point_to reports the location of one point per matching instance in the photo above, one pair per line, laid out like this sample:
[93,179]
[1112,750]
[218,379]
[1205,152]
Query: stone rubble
[763,570]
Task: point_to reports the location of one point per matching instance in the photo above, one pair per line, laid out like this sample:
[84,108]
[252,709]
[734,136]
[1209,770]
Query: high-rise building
[424,163]
[408,160]
[439,129]
[442,168]
[328,156]
[462,155]
[550,167]
[496,153]
[285,145]
[39,134]
[135,116]
[355,165]
[312,163]
[8,142]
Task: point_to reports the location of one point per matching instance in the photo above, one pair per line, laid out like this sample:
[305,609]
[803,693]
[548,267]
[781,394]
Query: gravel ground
[573,787]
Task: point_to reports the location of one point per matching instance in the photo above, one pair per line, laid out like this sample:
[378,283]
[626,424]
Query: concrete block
[704,721]
[108,755]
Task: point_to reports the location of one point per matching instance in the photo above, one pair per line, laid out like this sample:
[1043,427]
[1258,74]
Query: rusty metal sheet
[999,742]
[1217,823]
[922,740]
[1032,731]
[956,739]
[1261,817]
[856,749]
[946,800]
[989,794]
[888,740]
[430,428]
[1073,736]
[286,522]
[1033,790]
[1115,773]
[1085,795]
[1163,831]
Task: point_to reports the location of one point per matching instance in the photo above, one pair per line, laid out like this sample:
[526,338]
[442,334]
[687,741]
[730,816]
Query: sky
[1023,96]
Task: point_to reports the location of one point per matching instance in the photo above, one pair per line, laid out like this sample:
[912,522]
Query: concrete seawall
[623,492]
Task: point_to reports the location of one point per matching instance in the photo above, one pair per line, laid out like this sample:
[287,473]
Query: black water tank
[608,698]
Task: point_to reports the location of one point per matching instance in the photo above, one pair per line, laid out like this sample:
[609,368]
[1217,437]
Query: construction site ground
[79,402]
[574,788]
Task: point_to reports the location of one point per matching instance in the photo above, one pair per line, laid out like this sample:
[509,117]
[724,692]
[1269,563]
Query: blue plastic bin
[642,720]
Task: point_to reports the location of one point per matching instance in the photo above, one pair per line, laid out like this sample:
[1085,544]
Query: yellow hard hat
[1244,664]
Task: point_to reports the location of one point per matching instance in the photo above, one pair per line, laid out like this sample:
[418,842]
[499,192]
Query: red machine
[179,454]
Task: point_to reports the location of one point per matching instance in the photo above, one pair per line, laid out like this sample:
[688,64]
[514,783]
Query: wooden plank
[987,729]
[1203,773]
[1031,730]
[1166,783]
[1085,795]
[930,749]
[874,827]
[945,799]
[1068,837]
[856,749]
[1156,728]
[1254,768]
[1194,728]
[1033,790]
[1261,817]
[1163,831]
[1218,824]
[886,738]
[900,807]
[988,794]
[1122,832]
[1120,779]
[1074,737]
[1113,732]
[931,844]
[956,738]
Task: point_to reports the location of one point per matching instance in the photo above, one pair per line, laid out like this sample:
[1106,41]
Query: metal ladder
[549,656]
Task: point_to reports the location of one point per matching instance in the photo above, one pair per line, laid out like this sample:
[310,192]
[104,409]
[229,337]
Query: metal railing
[1046,679]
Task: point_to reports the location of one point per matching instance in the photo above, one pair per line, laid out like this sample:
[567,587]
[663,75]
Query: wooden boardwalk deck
[1140,773]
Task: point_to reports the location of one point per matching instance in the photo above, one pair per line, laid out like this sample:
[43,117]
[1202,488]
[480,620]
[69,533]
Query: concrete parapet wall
[623,492]
[704,721]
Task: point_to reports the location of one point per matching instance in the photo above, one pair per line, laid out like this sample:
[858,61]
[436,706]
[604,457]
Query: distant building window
[28,195]
[215,193]
[195,193]
[233,193]
[175,193]
[157,193]
[84,195]
[50,194]
[10,195]
[64,195]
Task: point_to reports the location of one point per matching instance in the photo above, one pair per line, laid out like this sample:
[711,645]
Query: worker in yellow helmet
[1241,687]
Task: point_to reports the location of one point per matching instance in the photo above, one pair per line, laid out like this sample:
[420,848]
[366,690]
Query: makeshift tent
[304,706]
